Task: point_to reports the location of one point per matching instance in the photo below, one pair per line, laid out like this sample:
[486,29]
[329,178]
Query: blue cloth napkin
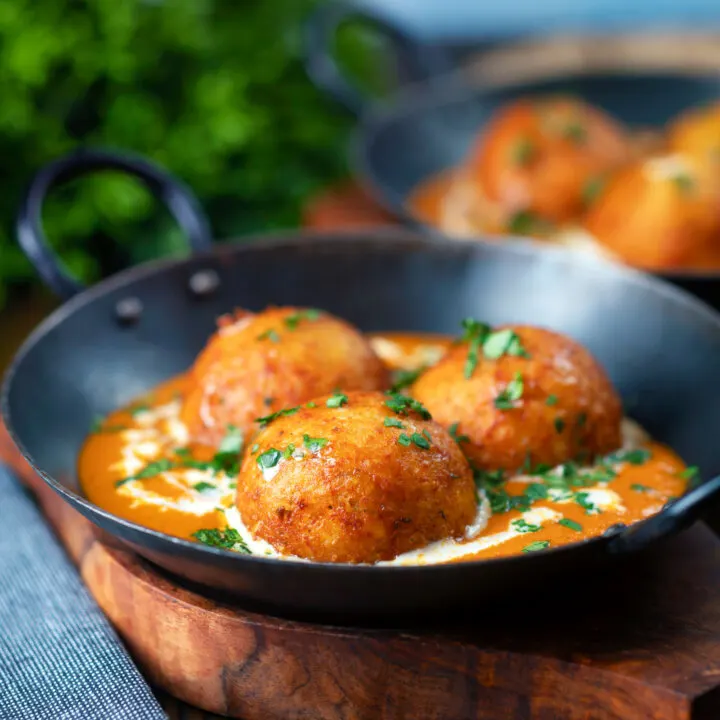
[59,657]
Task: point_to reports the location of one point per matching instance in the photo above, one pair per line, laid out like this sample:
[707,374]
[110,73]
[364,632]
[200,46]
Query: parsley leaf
[292,321]
[229,539]
[568,523]
[405,378]
[393,422]
[459,439]
[420,441]
[503,342]
[524,527]
[537,545]
[269,335]
[150,470]
[269,459]
[513,391]
[337,400]
[267,419]
[402,405]
[314,445]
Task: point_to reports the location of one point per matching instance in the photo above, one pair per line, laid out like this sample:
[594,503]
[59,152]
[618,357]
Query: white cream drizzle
[161,430]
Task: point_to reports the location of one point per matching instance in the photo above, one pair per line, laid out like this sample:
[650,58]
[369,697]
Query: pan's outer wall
[660,348]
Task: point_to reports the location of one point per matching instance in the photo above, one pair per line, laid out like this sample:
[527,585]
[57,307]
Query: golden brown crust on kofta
[357,495]
[660,213]
[538,155]
[568,406]
[697,133]
[256,364]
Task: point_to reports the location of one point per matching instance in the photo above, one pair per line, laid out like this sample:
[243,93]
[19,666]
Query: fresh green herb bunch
[214,91]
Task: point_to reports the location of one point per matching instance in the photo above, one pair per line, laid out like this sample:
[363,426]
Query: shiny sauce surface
[140,464]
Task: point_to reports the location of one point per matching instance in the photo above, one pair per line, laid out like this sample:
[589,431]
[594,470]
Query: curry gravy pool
[140,464]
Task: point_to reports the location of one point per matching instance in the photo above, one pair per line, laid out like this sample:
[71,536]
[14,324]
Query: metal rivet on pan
[204,283]
[128,310]
[614,530]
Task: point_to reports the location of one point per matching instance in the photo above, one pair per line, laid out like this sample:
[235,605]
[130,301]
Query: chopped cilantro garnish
[405,378]
[639,456]
[292,321]
[229,538]
[524,222]
[689,473]
[568,523]
[575,131]
[337,400]
[288,451]
[503,342]
[536,491]
[267,419]
[254,448]
[421,441]
[459,439]
[522,152]
[537,545]
[583,500]
[393,422]
[521,526]
[559,425]
[227,457]
[232,442]
[402,405]
[182,452]
[474,332]
[404,439]
[311,404]
[139,409]
[204,486]
[592,189]
[150,470]
[513,391]
[314,444]
[551,400]
[270,334]
[637,487]
[684,183]
[269,459]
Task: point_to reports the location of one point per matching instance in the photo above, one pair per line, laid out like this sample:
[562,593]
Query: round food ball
[356,478]
[697,133]
[540,157]
[256,364]
[522,396]
[659,214]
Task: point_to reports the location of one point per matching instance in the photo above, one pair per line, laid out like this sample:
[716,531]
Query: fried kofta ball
[522,396]
[658,214]
[697,133]
[256,364]
[539,157]
[358,478]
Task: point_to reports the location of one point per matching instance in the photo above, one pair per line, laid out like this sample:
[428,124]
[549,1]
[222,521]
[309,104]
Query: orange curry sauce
[172,494]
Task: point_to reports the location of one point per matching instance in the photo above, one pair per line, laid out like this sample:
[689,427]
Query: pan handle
[677,516]
[418,61]
[181,202]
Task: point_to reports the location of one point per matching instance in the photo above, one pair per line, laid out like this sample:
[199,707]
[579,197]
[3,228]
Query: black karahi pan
[109,343]
[430,123]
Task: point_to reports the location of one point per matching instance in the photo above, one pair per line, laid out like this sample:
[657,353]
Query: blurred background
[215,91]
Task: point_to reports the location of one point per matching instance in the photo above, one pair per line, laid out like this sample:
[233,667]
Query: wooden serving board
[641,642]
